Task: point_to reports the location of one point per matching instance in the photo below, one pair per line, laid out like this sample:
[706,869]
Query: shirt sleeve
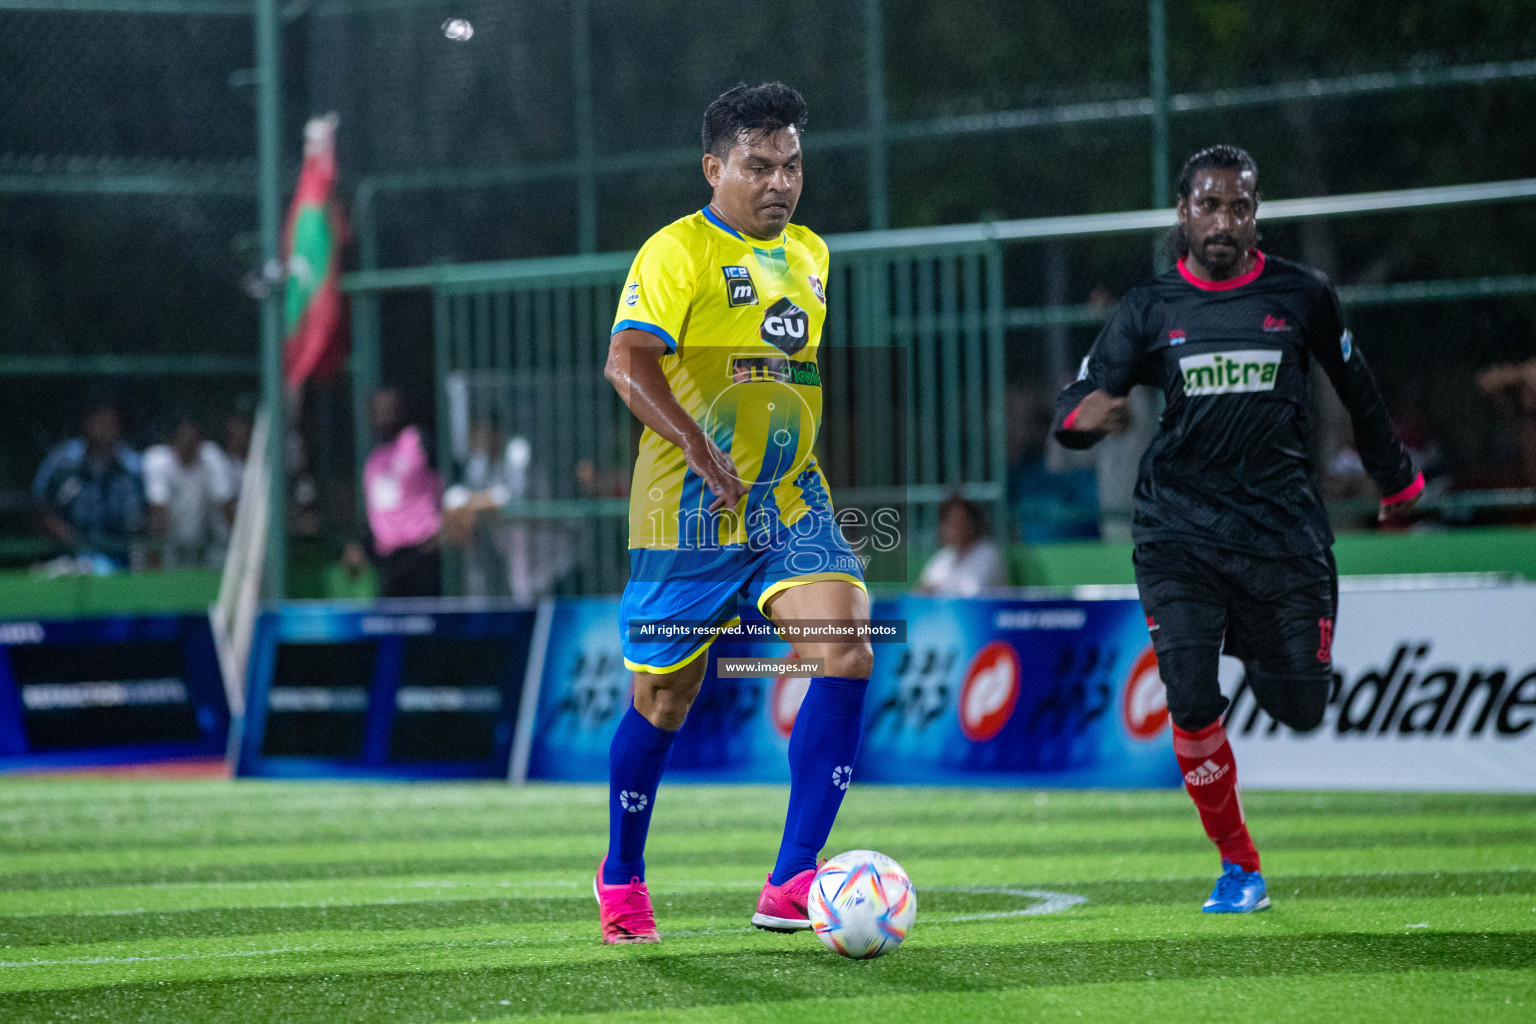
[935,571]
[42,484]
[157,474]
[224,484]
[1112,365]
[995,573]
[659,290]
[1385,458]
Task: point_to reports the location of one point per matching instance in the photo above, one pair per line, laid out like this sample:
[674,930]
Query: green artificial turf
[303,902]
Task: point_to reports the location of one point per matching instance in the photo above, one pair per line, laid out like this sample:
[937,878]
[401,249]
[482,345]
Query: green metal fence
[520,346]
[555,113]
[912,365]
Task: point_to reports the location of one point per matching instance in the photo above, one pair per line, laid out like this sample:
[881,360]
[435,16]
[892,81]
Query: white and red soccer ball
[861,904]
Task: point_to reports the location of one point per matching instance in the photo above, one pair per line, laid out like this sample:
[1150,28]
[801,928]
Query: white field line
[1049,903]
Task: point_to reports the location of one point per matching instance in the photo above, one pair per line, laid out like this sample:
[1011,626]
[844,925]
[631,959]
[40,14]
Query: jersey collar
[1229,283]
[709,215]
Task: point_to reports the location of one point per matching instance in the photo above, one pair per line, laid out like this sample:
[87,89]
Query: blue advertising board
[978,692]
[1029,693]
[387,690]
[730,735]
[98,692]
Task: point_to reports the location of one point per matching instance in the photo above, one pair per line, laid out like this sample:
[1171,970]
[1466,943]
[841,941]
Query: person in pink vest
[404,501]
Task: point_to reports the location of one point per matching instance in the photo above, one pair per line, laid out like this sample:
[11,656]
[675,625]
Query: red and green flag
[315,341]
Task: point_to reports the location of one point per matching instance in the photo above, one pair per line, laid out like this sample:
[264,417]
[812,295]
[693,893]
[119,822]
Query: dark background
[85,93]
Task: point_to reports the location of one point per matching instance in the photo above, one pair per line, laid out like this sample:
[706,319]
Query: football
[861,904]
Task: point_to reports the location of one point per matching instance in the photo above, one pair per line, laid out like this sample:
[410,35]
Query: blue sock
[822,749]
[636,760]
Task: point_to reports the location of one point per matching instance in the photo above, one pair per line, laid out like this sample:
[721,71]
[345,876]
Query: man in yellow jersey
[714,350]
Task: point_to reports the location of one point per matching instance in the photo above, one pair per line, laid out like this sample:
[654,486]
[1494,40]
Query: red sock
[1210,777]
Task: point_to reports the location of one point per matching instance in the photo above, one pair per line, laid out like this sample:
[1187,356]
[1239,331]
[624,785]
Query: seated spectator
[403,497]
[535,553]
[89,492]
[968,562]
[1054,493]
[1512,386]
[190,487]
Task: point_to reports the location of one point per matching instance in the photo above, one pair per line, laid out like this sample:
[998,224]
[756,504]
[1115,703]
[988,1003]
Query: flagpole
[269,213]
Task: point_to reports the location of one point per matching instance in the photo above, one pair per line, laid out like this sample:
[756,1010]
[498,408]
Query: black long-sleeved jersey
[1229,466]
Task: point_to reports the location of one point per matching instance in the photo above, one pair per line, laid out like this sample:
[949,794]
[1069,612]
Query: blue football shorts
[700,587]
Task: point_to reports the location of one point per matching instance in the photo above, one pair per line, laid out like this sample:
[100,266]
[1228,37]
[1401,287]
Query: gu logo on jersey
[739,290]
[817,290]
[1144,704]
[1176,337]
[1274,323]
[1230,373]
[990,692]
[632,294]
[785,326]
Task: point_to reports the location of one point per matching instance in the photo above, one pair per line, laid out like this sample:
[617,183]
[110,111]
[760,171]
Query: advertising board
[392,689]
[1433,689]
[89,692]
[1053,693]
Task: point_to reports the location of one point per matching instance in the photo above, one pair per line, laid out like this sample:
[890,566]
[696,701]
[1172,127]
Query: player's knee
[664,699]
[1193,690]
[850,661]
[1193,719]
[1295,699]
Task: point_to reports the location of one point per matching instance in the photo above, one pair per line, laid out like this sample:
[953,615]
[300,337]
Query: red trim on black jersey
[1408,493]
[1229,283]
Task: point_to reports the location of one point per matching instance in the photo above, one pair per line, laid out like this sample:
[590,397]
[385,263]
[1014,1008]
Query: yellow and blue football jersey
[742,320]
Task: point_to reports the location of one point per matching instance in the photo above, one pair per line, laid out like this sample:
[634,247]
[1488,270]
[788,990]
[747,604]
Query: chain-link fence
[552,127]
[127,213]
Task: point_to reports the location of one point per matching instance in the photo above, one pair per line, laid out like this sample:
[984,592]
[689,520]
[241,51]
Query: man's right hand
[717,470]
[1101,412]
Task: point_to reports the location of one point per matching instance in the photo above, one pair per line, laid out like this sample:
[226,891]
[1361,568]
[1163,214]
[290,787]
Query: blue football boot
[1237,892]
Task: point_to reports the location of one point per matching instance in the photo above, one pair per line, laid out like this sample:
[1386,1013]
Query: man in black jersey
[1233,545]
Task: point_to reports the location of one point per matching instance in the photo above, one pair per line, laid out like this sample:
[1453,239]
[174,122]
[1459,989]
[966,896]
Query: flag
[315,341]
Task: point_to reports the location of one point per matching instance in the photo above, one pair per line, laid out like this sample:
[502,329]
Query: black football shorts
[1274,614]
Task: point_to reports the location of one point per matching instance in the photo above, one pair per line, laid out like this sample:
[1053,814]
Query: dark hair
[101,397]
[958,502]
[1221,158]
[751,110]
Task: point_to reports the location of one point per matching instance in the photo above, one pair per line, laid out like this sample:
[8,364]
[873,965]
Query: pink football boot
[781,908]
[625,910]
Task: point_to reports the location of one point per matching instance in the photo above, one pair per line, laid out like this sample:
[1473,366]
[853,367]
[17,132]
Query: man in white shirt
[968,562]
[190,487]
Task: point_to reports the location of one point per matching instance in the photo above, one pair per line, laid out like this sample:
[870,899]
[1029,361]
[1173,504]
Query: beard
[1221,259]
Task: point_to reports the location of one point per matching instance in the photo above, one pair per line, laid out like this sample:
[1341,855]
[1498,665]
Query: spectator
[403,496]
[190,487]
[968,562]
[1054,492]
[89,492]
[1513,387]
[237,446]
[536,553]
[481,487]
